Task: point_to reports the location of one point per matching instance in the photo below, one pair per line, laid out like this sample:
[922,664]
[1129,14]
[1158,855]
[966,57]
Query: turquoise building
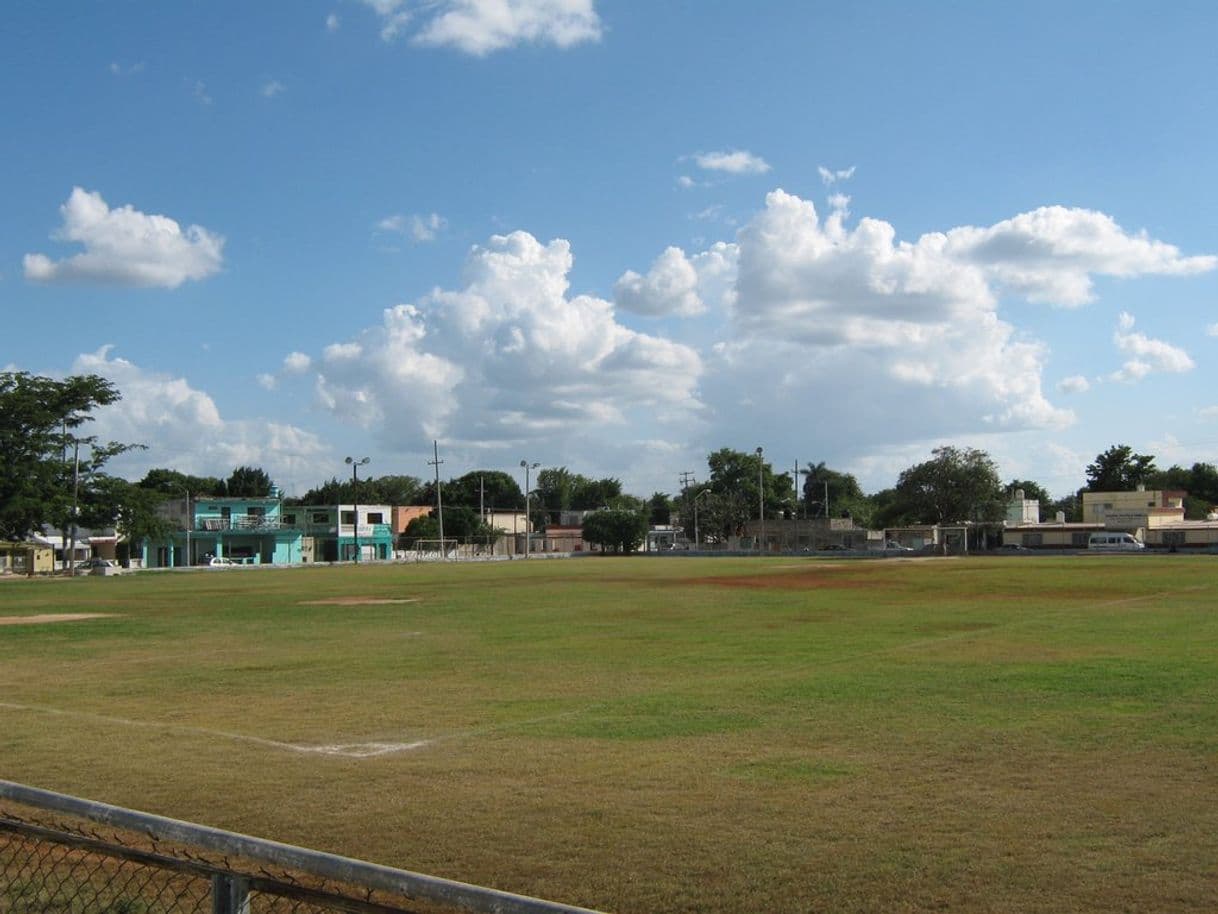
[333,531]
[251,531]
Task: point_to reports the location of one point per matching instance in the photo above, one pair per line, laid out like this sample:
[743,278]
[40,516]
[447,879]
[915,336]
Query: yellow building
[1131,510]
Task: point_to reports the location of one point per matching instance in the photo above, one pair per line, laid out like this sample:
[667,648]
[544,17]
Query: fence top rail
[331,866]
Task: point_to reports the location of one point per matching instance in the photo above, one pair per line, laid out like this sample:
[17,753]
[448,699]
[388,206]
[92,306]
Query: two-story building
[340,532]
[250,530]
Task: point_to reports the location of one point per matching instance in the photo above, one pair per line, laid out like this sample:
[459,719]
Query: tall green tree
[734,482]
[43,457]
[494,489]
[173,484]
[660,509]
[615,530]
[1031,490]
[956,484]
[844,497]
[1119,469]
[248,482]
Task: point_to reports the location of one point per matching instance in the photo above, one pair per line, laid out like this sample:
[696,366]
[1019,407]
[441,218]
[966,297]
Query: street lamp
[760,499]
[189,524]
[696,497]
[528,533]
[355,465]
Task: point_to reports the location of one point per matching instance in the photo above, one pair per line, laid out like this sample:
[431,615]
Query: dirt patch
[358,601]
[52,617]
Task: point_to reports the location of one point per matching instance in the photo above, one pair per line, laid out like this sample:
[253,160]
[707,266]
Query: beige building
[1131,510]
[1154,516]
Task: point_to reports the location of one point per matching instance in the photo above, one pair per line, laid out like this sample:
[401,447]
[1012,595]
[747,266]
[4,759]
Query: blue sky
[615,236]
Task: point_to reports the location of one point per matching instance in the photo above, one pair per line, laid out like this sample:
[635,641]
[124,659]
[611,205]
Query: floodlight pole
[696,497]
[528,533]
[760,498]
[189,524]
[435,446]
[355,465]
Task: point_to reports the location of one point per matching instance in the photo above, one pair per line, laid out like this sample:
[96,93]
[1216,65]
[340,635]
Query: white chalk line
[344,750]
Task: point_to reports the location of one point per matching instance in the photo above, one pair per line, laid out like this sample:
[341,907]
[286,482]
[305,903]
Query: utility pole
[760,497]
[435,446]
[686,478]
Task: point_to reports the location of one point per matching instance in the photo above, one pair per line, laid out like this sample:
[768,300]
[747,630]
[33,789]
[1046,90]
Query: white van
[1113,542]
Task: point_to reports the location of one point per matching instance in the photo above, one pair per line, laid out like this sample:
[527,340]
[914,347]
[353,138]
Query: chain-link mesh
[66,867]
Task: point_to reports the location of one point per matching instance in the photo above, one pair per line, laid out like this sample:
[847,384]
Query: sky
[616,236]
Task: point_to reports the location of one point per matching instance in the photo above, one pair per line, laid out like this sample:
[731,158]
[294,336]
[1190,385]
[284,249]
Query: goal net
[436,550]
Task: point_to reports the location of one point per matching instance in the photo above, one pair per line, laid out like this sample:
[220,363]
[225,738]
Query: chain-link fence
[63,855]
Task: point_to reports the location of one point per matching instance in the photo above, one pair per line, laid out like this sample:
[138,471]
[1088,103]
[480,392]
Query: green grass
[676,734]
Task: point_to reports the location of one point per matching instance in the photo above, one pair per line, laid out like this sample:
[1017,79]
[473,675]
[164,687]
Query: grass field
[660,735]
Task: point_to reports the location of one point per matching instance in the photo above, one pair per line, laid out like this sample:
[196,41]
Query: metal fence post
[229,895]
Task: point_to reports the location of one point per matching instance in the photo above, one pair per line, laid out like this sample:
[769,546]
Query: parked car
[220,561]
[894,546]
[102,566]
[1114,542]
[1012,547]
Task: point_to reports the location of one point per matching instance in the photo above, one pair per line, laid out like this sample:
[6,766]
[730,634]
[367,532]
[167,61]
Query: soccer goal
[436,550]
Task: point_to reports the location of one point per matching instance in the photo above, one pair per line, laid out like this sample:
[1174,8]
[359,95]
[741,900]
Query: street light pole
[189,523]
[528,533]
[760,499]
[696,497]
[355,465]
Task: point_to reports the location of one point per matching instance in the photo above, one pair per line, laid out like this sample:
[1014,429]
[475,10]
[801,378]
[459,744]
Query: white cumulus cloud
[1147,354]
[736,162]
[508,356]
[124,246]
[479,27]
[1048,255]
[670,287]
[184,429]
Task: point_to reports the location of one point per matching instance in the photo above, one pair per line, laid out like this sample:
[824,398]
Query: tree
[733,484]
[660,509]
[845,498]
[1200,482]
[956,484]
[248,482]
[1119,469]
[615,530]
[131,509]
[40,452]
[460,522]
[173,484]
[491,489]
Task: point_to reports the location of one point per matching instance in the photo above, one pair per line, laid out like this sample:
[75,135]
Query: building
[1156,517]
[338,532]
[25,558]
[252,531]
[1130,510]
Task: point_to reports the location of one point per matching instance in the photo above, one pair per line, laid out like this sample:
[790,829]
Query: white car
[102,566]
[894,546]
[220,561]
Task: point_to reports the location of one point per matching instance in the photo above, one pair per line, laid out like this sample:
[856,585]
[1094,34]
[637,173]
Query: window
[376,518]
[1033,540]
[321,517]
[1078,539]
[289,520]
[348,517]
[1173,537]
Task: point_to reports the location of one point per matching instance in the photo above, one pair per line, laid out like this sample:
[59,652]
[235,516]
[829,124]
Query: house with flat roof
[249,530]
